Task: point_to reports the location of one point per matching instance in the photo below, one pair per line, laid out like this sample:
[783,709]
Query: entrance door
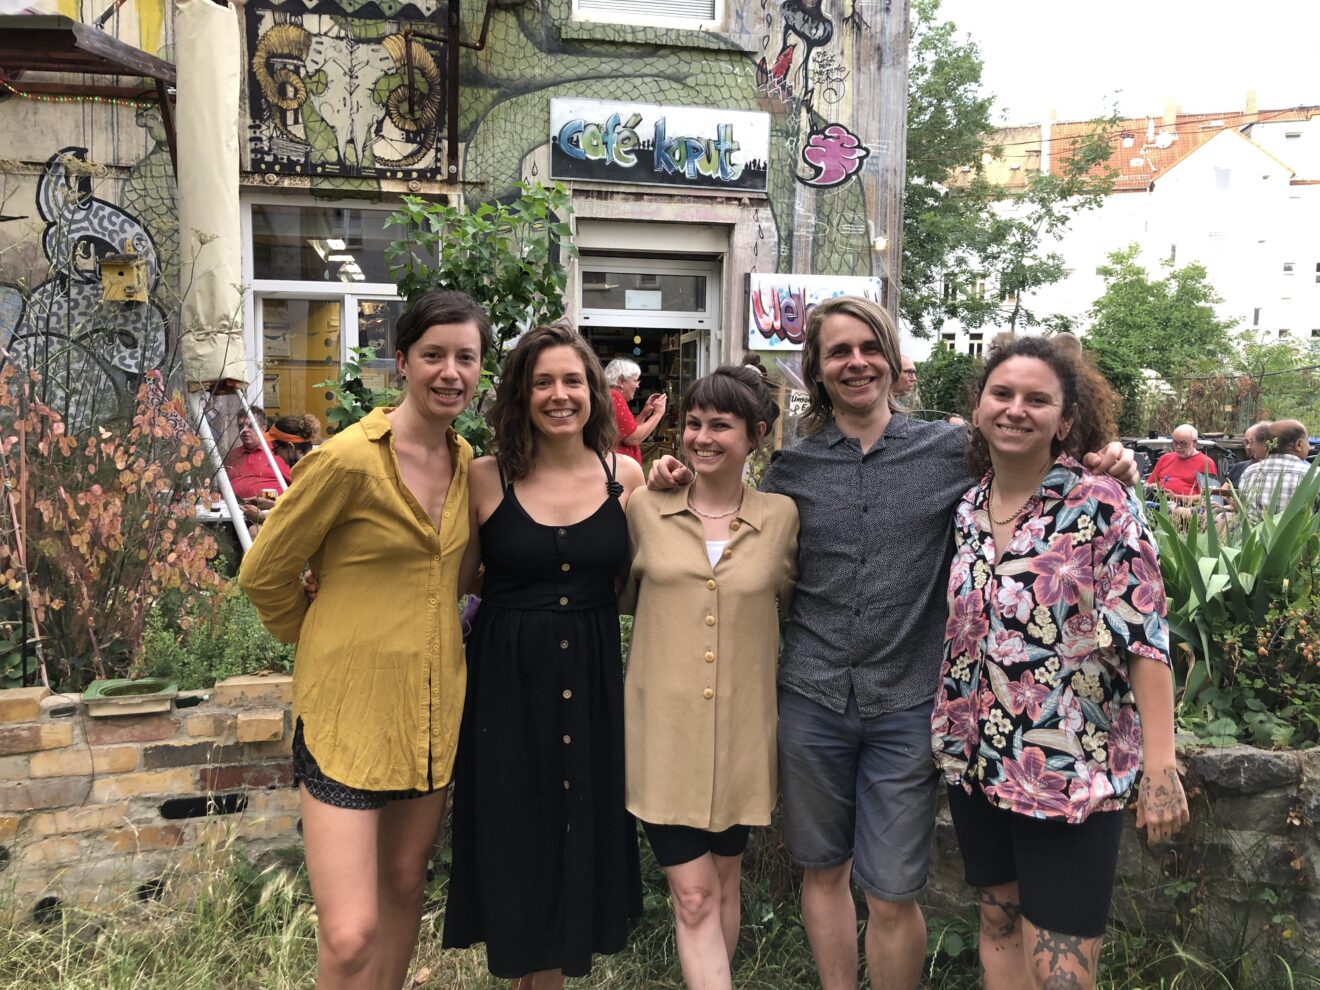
[660,313]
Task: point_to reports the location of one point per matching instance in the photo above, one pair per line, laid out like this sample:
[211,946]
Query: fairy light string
[103,100]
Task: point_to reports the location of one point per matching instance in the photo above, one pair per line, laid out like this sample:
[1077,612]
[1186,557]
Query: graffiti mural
[91,354]
[336,96]
[778,305]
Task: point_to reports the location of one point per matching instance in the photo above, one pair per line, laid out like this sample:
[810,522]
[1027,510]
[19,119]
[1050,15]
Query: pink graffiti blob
[835,153]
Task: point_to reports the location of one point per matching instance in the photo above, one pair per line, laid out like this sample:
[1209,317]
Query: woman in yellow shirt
[710,562]
[380,512]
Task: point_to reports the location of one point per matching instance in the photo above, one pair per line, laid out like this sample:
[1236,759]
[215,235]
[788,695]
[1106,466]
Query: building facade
[729,161]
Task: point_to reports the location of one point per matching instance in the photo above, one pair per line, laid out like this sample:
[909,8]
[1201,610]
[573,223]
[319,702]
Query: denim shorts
[859,788]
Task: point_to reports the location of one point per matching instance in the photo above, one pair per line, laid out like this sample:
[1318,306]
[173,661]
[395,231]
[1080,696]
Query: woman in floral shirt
[1056,656]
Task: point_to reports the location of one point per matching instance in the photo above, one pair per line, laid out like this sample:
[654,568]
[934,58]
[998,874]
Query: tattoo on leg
[1062,981]
[1062,948]
[1010,912]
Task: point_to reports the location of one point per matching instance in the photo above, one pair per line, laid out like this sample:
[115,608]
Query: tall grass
[230,925]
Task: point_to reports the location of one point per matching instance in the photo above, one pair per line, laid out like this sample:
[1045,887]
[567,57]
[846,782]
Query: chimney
[1251,104]
[1170,111]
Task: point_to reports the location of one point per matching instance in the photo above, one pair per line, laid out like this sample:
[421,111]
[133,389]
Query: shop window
[320,287]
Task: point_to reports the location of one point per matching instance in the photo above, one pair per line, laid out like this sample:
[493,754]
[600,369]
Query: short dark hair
[1088,400]
[738,390]
[438,308]
[255,413]
[510,414]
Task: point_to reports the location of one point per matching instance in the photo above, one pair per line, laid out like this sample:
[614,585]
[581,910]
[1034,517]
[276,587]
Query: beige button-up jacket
[699,698]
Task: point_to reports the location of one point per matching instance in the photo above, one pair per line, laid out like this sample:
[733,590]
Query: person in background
[1269,485]
[380,511]
[1255,441]
[712,570]
[248,467]
[907,380]
[622,376]
[1055,686]
[1180,471]
[293,437]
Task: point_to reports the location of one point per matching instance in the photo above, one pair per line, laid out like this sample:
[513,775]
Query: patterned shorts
[330,791]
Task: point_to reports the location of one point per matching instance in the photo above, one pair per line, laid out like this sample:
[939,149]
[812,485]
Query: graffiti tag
[616,141]
[835,153]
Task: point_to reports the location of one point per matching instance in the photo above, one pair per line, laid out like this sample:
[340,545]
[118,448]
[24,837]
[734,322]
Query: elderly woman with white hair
[622,376]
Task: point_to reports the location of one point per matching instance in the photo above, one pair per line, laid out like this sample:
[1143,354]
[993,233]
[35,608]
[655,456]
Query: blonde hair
[820,409]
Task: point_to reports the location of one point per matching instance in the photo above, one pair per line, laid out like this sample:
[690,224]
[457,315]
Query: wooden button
[567,740]
[563,601]
[563,644]
[708,693]
[710,620]
[711,584]
[565,567]
[567,694]
[727,554]
[710,657]
[733,526]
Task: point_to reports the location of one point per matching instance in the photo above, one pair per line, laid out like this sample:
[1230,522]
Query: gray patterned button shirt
[873,562]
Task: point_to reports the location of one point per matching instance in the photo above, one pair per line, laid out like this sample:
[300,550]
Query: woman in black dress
[545,855]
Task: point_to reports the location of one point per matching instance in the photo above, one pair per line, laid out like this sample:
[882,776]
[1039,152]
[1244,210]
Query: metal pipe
[221,475]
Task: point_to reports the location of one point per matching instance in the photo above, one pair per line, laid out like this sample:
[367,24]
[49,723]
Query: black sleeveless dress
[545,865]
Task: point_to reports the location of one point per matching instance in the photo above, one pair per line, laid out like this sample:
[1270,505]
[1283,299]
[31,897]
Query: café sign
[678,147]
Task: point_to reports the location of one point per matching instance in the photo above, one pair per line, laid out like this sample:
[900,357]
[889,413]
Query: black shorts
[1064,872]
[675,845]
[327,790]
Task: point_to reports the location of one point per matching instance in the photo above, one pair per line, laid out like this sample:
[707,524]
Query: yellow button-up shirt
[378,678]
[699,698]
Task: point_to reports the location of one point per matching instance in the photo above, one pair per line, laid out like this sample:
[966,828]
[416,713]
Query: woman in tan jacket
[710,563]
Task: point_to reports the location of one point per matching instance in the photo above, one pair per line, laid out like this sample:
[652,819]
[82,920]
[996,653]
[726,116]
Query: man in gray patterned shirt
[875,492]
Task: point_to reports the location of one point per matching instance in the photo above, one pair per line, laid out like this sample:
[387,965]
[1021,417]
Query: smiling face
[441,369]
[853,368]
[560,401]
[717,442]
[1020,411]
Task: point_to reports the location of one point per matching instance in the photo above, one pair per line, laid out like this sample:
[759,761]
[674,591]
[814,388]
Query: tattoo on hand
[1062,948]
[1010,911]
[1062,981]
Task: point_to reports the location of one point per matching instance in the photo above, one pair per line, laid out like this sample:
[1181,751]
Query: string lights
[104,100]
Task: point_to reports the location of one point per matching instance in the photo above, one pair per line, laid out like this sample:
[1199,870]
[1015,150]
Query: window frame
[651,20]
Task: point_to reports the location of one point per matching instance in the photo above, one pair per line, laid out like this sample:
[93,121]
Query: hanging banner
[777,305]
[642,143]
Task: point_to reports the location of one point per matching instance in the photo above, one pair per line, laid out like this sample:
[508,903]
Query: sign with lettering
[777,305]
[683,147]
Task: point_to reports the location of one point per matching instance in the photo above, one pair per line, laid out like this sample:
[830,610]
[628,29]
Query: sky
[1079,59]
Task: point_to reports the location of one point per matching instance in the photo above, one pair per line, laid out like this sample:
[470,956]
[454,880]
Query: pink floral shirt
[1034,704]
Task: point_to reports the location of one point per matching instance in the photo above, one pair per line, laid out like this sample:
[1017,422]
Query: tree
[960,233]
[947,379]
[1168,324]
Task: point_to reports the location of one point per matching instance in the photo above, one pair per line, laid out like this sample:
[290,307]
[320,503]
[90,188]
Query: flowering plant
[94,528]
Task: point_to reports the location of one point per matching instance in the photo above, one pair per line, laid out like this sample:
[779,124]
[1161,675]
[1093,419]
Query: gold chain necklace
[717,515]
[990,508]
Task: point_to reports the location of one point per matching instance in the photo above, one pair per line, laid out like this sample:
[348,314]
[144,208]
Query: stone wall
[1250,855]
[97,809]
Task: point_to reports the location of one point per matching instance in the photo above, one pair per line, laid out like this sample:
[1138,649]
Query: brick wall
[97,809]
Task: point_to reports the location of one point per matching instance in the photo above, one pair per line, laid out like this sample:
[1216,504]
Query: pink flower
[966,624]
[1125,741]
[1025,695]
[1088,486]
[958,720]
[1148,594]
[1013,600]
[1029,788]
[1070,712]
[1007,647]
[1078,639]
[1088,790]
[1110,586]
[1028,533]
[1065,571]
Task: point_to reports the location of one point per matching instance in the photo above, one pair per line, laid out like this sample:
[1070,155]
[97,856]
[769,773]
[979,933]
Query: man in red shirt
[249,470]
[1179,472]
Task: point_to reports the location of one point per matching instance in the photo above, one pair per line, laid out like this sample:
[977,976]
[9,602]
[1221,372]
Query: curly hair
[510,414]
[819,407]
[1088,400]
[738,390]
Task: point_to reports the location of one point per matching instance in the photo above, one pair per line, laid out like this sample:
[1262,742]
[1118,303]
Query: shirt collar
[752,512]
[1284,457]
[898,427]
[376,424]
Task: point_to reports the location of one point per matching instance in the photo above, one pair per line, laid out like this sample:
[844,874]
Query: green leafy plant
[352,398]
[209,637]
[1243,610]
[506,256]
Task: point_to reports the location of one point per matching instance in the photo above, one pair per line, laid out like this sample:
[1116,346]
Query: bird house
[123,278]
